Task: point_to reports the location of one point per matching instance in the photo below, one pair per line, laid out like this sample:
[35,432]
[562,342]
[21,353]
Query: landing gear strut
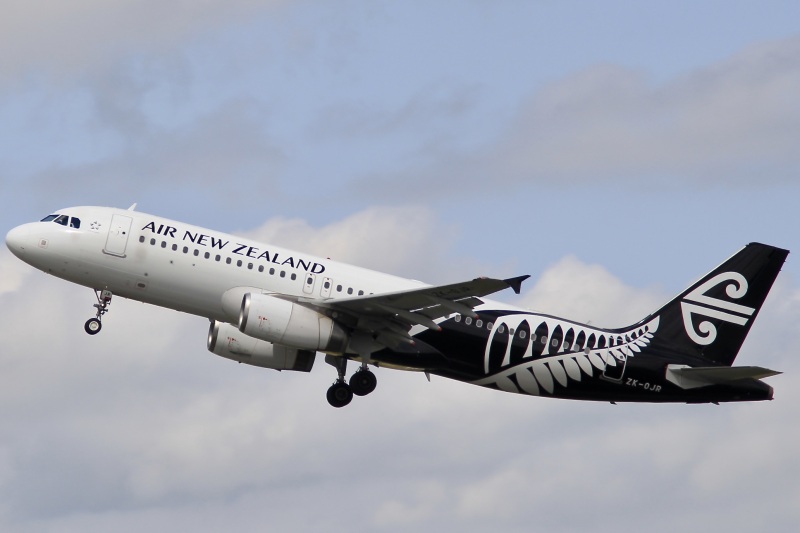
[93,325]
[340,393]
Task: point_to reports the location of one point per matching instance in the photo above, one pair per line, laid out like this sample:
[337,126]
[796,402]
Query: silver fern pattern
[565,352]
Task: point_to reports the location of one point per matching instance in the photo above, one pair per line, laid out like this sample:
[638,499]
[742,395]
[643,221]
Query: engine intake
[227,341]
[282,322]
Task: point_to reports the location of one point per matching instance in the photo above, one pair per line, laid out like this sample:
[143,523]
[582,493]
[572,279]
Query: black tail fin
[711,319]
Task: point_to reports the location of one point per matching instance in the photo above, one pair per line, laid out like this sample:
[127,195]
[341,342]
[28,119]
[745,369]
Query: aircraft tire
[92,326]
[363,382]
[340,394]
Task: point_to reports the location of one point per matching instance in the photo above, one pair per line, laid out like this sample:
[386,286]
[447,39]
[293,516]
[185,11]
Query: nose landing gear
[93,325]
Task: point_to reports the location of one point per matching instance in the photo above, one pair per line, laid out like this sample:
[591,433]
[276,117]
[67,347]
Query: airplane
[277,308]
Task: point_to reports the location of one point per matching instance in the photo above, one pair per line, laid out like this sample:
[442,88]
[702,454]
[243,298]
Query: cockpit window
[64,220]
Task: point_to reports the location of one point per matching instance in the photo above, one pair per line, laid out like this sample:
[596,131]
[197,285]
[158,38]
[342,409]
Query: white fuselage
[187,268]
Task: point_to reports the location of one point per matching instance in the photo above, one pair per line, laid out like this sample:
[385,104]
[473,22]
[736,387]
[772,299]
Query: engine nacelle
[281,322]
[227,341]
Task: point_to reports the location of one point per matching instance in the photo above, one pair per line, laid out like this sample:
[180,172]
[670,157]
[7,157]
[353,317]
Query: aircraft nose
[17,240]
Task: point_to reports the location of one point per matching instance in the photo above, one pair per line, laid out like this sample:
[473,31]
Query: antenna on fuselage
[133,207]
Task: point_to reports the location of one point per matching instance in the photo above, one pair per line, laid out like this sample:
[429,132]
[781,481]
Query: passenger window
[163,244]
[186,249]
[294,276]
[457,318]
[271,271]
[174,247]
[196,253]
[207,255]
[283,273]
[141,238]
[361,293]
[338,288]
[239,263]
[227,260]
[217,258]
[327,285]
[249,266]
[152,242]
[75,223]
[350,290]
[261,268]
[468,320]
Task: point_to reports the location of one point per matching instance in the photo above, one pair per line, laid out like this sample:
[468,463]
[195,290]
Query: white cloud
[590,294]
[728,122]
[63,38]
[408,240]
[733,122]
[14,272]
[223,147]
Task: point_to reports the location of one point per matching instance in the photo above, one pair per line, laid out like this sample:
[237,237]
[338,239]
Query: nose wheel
[94,325]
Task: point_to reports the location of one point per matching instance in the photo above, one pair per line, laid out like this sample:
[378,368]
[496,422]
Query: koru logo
[706,332]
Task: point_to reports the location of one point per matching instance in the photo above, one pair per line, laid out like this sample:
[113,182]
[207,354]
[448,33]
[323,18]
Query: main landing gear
[362,382]
[93,325]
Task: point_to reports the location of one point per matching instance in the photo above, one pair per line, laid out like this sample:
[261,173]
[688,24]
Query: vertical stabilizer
[711,319]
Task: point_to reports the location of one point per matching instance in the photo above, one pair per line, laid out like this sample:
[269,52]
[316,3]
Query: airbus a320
[277,308]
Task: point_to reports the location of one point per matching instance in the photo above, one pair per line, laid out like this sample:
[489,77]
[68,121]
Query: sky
[615,151]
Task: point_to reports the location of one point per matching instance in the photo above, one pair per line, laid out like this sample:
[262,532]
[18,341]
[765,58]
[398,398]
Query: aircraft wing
[394,313]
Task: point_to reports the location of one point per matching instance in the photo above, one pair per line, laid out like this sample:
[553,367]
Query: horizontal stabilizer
[687,377]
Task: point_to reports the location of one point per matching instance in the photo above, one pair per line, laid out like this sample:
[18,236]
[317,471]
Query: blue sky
[615,151]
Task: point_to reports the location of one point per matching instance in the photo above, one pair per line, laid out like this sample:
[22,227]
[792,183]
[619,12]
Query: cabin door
[118,233]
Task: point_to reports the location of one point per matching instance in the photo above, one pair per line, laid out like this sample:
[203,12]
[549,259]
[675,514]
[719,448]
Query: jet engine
[282,322]
[227,341]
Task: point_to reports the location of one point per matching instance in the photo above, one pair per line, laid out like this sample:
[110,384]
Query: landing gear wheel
[340,394]
[363,382]
[92,326]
